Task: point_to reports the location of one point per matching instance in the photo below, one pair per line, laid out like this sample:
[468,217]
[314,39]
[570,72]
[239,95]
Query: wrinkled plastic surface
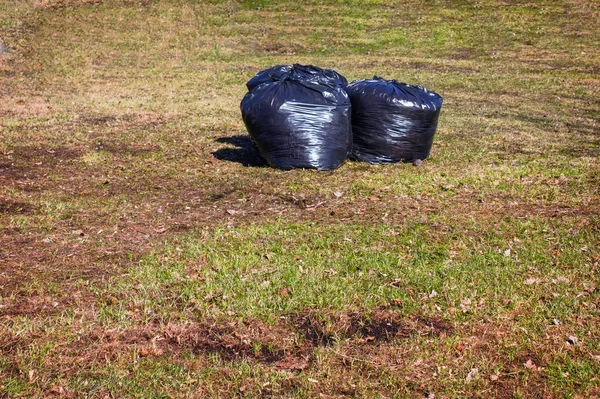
[299,117]
[392,121]
[302,72]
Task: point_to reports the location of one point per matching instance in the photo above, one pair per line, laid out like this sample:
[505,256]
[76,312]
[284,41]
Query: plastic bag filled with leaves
[299,117]
[392,121]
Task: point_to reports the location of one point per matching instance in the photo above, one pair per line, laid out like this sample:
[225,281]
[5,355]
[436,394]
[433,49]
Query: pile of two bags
[307,117]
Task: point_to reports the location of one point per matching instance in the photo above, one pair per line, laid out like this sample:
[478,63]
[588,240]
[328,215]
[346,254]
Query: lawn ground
[146,252]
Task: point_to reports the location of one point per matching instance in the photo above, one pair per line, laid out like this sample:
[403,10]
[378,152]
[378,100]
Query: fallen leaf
[417,162]
[160,230]
[150,351]
[231,211]
[530,281]
[397,302]
[472,374]
[284,292]
[337,194]
[529,364]
[572,340]
[465,305]
[57,389]
[494,377]
[313,380]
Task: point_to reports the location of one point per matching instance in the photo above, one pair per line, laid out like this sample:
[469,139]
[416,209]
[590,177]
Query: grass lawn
[146,252]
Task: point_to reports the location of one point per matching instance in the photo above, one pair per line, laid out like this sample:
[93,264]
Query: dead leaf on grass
[529,364]
[57,390]
[474,373]
[150,351]
[572,340]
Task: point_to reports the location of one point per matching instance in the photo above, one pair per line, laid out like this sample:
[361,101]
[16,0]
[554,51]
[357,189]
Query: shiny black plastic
[299,117]
[303,72]
[392,121]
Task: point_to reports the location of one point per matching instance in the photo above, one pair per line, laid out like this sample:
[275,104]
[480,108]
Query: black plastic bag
[299,117]
[305,72]
[392,121]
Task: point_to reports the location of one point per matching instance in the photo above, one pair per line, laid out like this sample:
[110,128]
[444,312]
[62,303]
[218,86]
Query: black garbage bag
[392,121]
[307,72]
[299,117]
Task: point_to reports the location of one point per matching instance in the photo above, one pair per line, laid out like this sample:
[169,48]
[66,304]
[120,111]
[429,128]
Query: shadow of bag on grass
[244,153]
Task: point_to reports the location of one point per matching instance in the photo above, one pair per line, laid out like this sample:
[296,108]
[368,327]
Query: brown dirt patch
[29,162]
[15,207]
[249,339]
[381,325]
